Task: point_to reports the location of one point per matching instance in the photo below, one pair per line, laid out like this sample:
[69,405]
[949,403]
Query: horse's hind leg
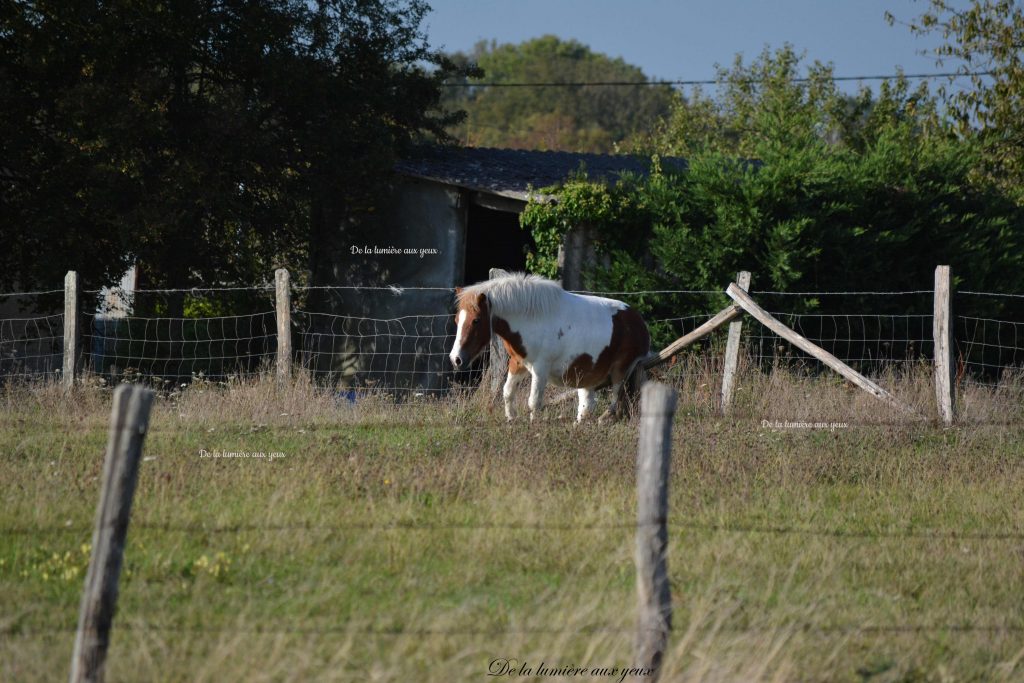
[624,383]
[613,410]
[537,385]
[587,400]
[629,398]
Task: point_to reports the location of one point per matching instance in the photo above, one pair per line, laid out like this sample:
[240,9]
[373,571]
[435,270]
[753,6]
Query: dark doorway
[494,240]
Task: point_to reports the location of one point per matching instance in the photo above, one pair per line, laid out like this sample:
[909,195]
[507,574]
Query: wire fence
[199,528]
[1010,537]
[869,343]
[404,354]
[396,339]
[675,526]
[990,339]
[593,629]
[171,349]
[31,347]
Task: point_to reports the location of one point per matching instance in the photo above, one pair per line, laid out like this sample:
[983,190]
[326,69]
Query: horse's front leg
[539,380]
[515,376]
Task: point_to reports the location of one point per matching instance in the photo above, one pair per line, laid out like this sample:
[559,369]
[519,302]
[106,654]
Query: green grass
[422,542]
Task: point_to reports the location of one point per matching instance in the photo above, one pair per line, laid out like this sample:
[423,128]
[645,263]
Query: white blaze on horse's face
[456,355]
[473,331]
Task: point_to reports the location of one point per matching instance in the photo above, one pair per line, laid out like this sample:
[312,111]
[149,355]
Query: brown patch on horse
[512,341]
[515,365]
[630,340]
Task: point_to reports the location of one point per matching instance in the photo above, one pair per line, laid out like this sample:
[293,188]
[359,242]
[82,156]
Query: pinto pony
[552,335]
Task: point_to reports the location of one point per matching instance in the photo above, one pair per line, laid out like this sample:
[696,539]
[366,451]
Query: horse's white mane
[515,293]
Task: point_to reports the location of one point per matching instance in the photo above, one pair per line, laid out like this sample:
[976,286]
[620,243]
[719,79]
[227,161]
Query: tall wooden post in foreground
[71,331]
[942,333]
[129,421]
[282,281]
[654,618]
[732,349]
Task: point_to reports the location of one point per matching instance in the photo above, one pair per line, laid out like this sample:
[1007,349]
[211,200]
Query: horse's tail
[636,375]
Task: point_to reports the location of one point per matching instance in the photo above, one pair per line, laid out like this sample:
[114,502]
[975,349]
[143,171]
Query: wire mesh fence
[989,331]
[396,339]
[173,349]
[31,335]
[869,343]
[404,354]
[31,347]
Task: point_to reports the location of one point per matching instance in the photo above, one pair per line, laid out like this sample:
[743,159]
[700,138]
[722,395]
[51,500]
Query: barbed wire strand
[707,81]
[993,294]
[39,293]
[805,627]
[398,289]
[921,534]
[854,293]
[132,292]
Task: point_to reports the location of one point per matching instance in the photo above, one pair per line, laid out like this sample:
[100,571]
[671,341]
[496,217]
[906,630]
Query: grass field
[421,542]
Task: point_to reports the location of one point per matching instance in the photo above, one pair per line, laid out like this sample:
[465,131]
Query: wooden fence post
[71,331]
[942,333]
[129,420]
[732,349]
[284,324]
[654,619]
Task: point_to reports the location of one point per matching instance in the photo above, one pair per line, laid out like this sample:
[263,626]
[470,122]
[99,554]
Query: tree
[209,141]
[759,107]
[584,118]
[987,40]
[771,107]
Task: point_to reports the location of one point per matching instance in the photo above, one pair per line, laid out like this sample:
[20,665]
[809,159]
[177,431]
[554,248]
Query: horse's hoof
[607,416]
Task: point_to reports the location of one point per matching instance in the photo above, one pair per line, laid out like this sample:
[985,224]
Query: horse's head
[473,328]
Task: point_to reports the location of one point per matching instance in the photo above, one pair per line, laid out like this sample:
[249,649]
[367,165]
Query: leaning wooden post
[284,324]
[732,349]
[129,420]
[71,328]
[942,333]
[722,317]
[654,619]
[805,345]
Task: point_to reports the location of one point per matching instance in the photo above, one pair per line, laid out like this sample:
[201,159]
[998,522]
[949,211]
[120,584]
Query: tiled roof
[513,172]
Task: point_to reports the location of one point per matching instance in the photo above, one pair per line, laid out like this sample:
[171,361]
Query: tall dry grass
[424,539]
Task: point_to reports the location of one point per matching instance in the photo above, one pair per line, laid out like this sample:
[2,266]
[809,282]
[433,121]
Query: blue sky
[683,40]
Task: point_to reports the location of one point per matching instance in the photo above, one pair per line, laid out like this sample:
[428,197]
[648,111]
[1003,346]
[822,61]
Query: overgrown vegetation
[423,541]
[809,189]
